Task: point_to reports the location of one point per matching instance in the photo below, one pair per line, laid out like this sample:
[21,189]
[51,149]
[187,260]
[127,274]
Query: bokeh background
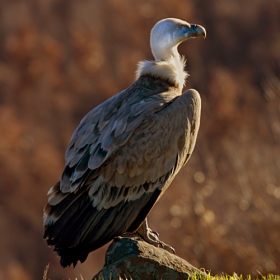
[59,59]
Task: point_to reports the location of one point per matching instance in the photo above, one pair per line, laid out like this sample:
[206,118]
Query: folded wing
[121,158]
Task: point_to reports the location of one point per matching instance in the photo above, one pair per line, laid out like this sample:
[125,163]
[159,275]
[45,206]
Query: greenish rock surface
[133,258]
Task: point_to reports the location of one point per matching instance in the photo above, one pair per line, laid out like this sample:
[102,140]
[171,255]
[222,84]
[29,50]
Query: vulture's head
[168,33]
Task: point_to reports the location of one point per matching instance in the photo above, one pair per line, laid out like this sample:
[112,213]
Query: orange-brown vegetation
[59,59]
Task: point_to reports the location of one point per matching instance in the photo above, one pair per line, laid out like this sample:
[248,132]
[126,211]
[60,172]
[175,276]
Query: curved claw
[166,247]
[152,237]
[154,232]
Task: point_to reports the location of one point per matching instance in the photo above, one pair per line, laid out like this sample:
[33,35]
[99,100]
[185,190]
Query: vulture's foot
[152,237]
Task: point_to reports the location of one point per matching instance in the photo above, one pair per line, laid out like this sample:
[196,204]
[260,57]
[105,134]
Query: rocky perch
[133,258]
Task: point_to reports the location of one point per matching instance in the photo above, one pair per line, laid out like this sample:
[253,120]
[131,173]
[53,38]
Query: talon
[152,237]
[166,247]
[156,233]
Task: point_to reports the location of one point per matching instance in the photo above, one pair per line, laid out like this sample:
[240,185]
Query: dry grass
[196,276]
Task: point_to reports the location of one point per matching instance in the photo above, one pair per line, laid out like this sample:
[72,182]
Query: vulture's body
[124,154]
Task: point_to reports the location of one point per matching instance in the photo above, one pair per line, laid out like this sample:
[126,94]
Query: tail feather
[72,256]
[83,228]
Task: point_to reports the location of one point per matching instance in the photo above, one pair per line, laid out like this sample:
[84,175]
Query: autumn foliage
[59,59]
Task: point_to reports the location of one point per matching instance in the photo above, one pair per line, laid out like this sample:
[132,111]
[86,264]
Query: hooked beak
[197,31]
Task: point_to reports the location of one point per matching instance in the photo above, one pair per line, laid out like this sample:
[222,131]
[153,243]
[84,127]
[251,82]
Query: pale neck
[164,54]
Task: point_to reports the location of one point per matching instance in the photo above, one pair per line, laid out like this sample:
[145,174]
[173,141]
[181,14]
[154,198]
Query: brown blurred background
[59,59]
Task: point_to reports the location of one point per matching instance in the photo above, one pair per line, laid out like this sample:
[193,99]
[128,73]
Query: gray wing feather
[125,147]
[163,142]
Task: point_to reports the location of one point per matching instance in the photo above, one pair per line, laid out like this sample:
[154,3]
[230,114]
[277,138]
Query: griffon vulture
[125,153]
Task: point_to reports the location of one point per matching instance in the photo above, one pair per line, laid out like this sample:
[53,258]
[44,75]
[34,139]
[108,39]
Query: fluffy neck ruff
[171,69]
